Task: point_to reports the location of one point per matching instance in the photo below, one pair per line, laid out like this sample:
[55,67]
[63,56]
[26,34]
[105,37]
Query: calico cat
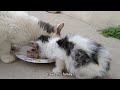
[81,57]
[18,27]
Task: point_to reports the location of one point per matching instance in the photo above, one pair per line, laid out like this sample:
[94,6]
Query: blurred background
[100,19]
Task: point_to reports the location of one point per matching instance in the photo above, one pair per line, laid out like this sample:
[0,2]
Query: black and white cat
[18,27]
[83,58]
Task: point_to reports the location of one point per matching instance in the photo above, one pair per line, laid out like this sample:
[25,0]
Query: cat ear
[59,28]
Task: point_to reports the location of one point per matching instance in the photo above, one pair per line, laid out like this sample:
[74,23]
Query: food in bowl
[33,53]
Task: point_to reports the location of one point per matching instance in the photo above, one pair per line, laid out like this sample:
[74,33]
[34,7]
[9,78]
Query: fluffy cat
[81,57]
[18,28]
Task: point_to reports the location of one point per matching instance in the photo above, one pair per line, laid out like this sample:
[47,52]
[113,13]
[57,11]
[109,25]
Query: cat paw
[7,58]
[56,70]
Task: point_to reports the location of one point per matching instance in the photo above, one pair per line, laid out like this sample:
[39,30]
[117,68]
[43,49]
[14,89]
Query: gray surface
[24,70]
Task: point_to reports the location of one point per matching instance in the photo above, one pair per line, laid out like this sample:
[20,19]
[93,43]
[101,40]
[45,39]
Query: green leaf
[111,32]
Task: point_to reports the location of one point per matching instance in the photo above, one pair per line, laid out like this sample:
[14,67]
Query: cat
[81,57]
[18,28]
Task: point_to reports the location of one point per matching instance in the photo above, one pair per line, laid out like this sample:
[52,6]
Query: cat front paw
[57,70]
[8,58]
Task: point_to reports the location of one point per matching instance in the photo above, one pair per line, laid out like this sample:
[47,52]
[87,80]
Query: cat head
[40,42]
[51,30]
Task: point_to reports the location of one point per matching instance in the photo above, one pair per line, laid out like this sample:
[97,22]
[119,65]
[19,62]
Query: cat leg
[5,55]
[60,65]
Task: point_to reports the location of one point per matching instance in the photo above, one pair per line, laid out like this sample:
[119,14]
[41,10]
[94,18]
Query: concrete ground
[25,70]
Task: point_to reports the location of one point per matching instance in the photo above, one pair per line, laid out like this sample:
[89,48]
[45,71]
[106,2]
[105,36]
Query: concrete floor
[25,70]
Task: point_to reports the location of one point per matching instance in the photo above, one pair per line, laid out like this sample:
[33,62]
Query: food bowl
[22,55]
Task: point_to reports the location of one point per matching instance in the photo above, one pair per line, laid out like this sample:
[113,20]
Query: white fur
[53,51]
[91,70]
[16,27]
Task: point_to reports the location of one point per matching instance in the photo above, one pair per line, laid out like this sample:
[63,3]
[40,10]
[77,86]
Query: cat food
[33,53]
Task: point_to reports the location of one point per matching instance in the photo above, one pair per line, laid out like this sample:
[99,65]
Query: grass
[113,32]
